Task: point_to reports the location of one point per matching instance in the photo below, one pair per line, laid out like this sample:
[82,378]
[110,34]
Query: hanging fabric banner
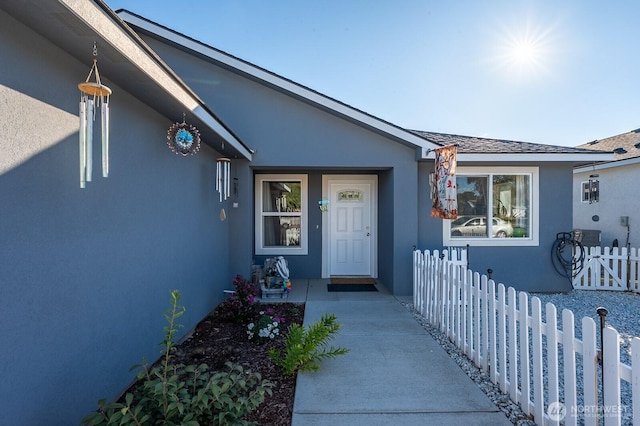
[443,184]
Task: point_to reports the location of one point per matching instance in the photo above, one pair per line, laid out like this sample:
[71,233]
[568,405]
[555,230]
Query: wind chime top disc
[94,89]
[183,139]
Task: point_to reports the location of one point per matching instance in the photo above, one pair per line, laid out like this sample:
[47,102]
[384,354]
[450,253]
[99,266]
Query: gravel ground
[624,316]
[623,307]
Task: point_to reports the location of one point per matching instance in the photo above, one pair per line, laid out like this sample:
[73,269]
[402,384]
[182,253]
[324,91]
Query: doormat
[351,287]
[353,280]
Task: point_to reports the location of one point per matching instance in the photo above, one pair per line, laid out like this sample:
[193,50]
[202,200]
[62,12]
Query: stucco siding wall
[618,198]
[86,273]
[291,136]
[524,268]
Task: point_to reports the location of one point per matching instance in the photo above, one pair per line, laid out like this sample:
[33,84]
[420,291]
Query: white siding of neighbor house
[619,196]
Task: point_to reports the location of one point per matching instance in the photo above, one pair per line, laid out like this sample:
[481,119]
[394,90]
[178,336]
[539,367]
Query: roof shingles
[477,145]
[624,146]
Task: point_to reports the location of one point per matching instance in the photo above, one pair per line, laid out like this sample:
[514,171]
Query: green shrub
[306,349]
[189,395]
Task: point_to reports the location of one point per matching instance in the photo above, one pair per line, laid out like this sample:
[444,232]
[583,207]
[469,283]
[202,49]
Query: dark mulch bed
[215,341]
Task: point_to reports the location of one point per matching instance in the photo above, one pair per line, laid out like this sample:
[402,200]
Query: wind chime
[93,95]
[223,171]
[593,189]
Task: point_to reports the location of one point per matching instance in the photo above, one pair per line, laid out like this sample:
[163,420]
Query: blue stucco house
[85,273]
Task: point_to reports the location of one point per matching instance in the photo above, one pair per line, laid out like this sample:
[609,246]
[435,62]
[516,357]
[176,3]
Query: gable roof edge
[280,83]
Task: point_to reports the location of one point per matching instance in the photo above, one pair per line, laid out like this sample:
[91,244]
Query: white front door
[350,221]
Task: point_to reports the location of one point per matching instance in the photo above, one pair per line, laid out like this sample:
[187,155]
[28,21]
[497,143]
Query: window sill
[281,251]
[494,242]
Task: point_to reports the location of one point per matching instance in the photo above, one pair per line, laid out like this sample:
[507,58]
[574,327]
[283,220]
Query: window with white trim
[496,206]
[281,214]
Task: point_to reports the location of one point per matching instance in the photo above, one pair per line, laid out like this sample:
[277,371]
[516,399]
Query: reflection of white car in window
[476,226]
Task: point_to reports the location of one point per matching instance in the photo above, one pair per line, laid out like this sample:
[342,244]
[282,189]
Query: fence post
[493,357]
[635,378]
[569,355]
[525,372]
[611,370]
[469,319]
[502,332]
[460,322]
[475,285]
[512,345]
[590,370]
[485,318]
[536,337]
[628,266]
[416,269]
[440,292]
[602,312]
[552,353]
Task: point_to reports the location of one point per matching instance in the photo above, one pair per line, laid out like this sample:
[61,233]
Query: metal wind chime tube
[83,142]
[93,95]
[89,139]
[223,173]
[105,139]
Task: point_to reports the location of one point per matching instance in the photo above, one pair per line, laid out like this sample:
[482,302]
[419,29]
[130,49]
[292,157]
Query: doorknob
[368,233]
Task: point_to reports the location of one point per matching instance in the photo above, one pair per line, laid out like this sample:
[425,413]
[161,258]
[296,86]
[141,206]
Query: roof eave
[114,32]
[513,157]
[606,165]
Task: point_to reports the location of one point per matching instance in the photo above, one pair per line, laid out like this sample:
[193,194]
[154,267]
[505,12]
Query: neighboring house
[86,273]
[616,213]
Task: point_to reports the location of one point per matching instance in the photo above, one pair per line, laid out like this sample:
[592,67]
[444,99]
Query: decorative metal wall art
[183,138]
[93,95]
[223,172]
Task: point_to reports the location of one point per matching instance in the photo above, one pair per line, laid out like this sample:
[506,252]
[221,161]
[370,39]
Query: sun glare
[525,52]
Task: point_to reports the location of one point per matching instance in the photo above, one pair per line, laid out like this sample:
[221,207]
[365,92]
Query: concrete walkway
[395,373]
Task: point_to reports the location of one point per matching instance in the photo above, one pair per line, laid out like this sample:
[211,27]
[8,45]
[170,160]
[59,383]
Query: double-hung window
[281,214]
[496,207]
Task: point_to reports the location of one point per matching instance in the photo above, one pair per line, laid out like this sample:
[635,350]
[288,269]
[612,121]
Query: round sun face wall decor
[183,139]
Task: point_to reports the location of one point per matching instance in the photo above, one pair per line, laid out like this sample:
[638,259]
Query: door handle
[368,233]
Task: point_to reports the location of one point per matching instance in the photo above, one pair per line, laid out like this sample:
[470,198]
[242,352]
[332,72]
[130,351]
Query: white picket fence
[609,268]
[504,333]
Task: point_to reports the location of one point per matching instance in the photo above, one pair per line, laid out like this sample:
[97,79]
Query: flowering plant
[267,327]
[241,305]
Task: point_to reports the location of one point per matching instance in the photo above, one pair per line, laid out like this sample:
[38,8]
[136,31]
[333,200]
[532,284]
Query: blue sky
[556,72]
